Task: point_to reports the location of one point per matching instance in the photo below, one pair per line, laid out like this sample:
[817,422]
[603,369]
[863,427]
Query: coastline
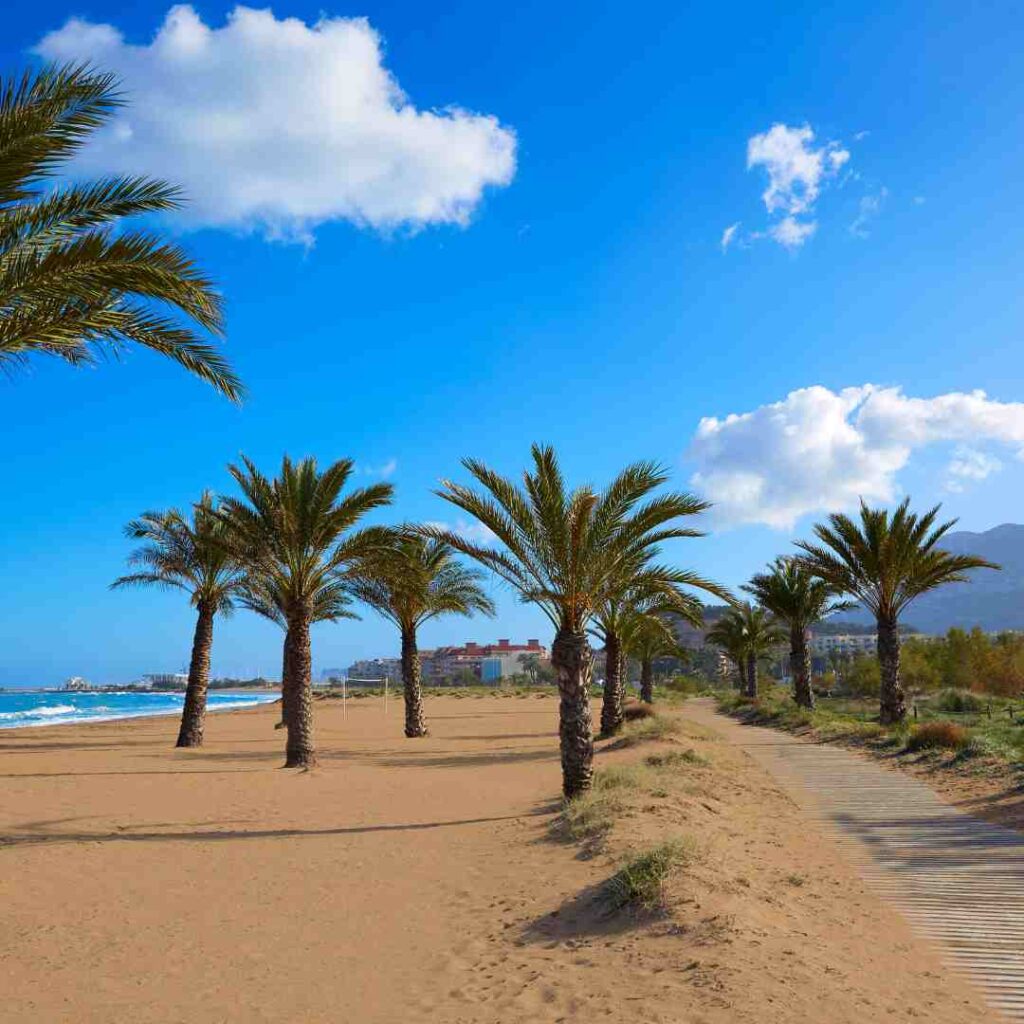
[67,714]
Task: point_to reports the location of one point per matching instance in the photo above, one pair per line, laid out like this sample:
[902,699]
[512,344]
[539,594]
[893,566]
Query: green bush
[952,701]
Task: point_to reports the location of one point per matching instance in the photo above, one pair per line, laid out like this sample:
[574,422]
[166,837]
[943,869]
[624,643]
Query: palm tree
[799,599]
[411,581]
[73,281]
[294,535]
[560,550]
[746,632]
[263,596]
[727,634]
[647,635]
[884,563]
[190,556]
[638,592]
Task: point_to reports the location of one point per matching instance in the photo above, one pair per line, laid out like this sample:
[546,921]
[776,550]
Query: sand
[417,880]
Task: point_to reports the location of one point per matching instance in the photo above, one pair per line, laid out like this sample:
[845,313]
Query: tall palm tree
[263,596]
[750,632]
[560,549]
[647,635]
[295,536]
[884,562]
[410,581]
[799,599]
[73,281]
[636,593]
[189,555]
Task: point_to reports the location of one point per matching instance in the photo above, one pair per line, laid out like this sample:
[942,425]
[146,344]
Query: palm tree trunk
[415,723]
[892,700]
[300,752]
[647,680]
[611,705]
[287,693]
[572,661]
[193,715]
[752,675]
[741,675]
[800,665]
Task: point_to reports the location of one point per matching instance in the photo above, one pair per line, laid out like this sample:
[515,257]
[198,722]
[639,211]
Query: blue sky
[586,301]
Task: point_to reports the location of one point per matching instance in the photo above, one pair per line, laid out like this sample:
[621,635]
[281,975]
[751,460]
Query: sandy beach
[417,880]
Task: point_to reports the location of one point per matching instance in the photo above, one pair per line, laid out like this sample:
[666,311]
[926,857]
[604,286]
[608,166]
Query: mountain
[992,600]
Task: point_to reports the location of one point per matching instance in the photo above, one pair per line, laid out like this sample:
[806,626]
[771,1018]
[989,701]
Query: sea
[20,708]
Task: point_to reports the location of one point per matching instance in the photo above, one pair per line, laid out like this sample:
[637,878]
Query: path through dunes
[959,879]
[417,880]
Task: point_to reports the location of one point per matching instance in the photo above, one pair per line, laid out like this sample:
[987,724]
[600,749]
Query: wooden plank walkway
[958,879]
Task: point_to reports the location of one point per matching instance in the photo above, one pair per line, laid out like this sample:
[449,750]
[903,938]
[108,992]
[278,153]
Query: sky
[776,251]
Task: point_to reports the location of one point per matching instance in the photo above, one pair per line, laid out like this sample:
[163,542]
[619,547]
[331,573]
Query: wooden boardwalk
[958,879]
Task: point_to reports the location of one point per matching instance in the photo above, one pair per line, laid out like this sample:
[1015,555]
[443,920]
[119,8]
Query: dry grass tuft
[938,736]
[634,712]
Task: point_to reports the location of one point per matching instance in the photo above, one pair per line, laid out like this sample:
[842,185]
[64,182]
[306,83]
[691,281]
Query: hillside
[992,600]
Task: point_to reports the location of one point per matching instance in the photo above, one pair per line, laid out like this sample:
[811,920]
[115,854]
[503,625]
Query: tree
[727,634]
[884,562]
[639,591]
[746,633]
[74,281]
[799,599]
[560,549]
[189,555]
[263,595]
[647,635]
[531,666]
[295,536]
[409,581]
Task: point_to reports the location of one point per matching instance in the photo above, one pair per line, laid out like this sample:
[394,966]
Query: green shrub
[938,736]
[590,815]
[952,701]
[640,882]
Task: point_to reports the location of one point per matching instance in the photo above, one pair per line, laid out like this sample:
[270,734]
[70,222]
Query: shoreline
[264,698]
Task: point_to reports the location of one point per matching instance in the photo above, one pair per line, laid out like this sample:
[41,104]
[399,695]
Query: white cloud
[867,209]
[797,172]
[970,464]
[474,532]
[280,126]
[792,233]
[728,234]
[384,470]
[818,450]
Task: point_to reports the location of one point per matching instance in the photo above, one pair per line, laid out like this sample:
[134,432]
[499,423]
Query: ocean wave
[43,712]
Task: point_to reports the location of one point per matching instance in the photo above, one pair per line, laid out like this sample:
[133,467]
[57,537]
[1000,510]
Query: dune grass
[639,884]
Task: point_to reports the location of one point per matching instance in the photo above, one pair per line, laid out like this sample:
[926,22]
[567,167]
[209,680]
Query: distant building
[75,683]
[489,663]
[844,643]
[374,670]
[165,680]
